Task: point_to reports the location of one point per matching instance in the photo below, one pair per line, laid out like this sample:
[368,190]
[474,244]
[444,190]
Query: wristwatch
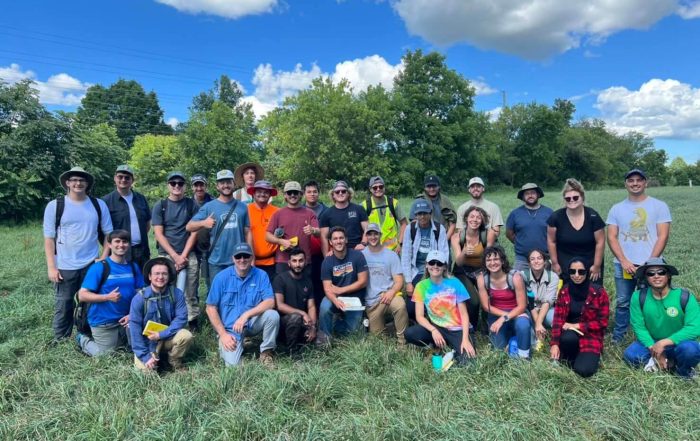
[505,318]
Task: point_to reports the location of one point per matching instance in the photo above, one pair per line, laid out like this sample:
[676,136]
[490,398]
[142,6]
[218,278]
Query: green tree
[127,107]
[225,90]
[153,157]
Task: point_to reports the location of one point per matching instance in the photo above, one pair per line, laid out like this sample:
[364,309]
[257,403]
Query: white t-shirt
[636,223]
[495,218]
[382,266]
[135,230]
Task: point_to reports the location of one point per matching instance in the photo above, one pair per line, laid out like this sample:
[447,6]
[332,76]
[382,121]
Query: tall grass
[360,389]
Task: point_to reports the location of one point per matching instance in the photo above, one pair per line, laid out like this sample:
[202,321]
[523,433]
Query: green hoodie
[665,318]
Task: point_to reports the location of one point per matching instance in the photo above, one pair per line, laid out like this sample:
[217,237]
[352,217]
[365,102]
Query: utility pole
[503,94]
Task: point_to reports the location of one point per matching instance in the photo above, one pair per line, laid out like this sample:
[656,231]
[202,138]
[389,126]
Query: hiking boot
[177,365]
[322,340]
[266,359]
[193,325]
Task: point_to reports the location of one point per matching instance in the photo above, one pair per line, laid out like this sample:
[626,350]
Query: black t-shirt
[350,218]
[576,243]
[344,272]
[296,292]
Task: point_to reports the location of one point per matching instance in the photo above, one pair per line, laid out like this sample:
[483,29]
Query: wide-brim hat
[530,186]
[160,260]
[655,261]
[77,171]
[262,185]
[238,173]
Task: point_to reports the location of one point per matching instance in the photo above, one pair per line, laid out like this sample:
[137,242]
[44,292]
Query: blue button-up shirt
[233,295]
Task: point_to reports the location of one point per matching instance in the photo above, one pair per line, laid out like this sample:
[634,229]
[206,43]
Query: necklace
[535,211]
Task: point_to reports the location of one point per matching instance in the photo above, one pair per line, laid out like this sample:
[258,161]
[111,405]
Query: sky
[633,63]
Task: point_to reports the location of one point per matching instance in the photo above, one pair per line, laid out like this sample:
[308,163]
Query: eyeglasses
[572,198]
[659,272]
[77,180]
[242,256]
[177,183]
[580,272]
[340,191]
[293,193]
[436,263]
[123,177]
[378,187]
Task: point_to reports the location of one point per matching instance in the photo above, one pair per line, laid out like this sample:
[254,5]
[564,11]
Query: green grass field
[360,389]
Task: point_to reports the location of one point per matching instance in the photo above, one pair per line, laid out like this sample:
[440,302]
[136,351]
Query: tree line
[425,124]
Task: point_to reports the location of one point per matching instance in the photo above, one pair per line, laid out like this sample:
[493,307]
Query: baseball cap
[242,248]
[375,180]
[175,174]
[340,184]
[475,181]
[224,174]
[636,171]
[292,186]
[198,178]
[435,255]
[421,206]
[124,168]
[373,227]
[431,180]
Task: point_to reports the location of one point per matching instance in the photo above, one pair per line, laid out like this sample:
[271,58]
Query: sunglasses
[436,263]
[123,177]
[241,256]
[293,193]
[580,272]
[378,187]
[176,183]
[660,272]
[340,191]
[572,198]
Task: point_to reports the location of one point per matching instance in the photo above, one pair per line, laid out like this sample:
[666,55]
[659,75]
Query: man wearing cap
[311,201]
[241,304]
[260,213]
[384,286]
[442,209]
[386,212]
[526,226]
[129,211]
[344,274]
[346,214]
[638,229]
[72,227]
[201,196]
[476,190]
[666,321]
[170,218]
[162,303]
[199,189]
[109,298]
[422,235]
[245,177]
[294,295]
[291,226]
[228,224]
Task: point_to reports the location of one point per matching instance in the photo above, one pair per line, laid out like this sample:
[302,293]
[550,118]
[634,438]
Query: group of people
[305,273]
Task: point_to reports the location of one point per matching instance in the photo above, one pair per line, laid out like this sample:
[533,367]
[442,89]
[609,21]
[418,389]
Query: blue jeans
[518,326]
[266,324]
[623,293]
[521,263]
[686,355]
[347,322]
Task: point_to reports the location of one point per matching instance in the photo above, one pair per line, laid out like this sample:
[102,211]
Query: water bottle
[513,347]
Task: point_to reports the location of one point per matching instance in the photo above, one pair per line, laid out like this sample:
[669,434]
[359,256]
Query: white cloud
[274,87]
[224,8]
[660,108]
[172,122]
[493,114]
[482,88]
[61,89]
[534,29]
[369,71]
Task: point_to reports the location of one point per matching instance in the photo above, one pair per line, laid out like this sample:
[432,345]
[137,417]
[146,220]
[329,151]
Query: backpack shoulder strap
[483,234]
[96,204]
[163,209]
[367,205]
[526,278]
[643,297]
[436,231]
[685,296]
[414,230]
[391,202]
[510,281]
[462,237]
[190,206]
[105,275]
[60,207]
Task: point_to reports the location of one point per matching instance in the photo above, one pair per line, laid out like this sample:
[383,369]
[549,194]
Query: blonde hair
[572,184]
[351,193]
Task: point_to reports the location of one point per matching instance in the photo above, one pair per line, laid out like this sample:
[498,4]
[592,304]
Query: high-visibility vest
[390,227]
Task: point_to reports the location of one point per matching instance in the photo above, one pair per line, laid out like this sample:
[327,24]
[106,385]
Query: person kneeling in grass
[444,299]
[162,303]
[666,321]
[580,320]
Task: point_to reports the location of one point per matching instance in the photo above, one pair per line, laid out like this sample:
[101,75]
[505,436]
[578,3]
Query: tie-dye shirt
[441,301]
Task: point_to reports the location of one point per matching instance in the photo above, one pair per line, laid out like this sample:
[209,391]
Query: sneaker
[266,359]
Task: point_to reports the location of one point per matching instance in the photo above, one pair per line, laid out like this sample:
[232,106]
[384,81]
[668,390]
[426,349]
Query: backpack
[509,281]
[390,202]
[61,206]
[526,277]
[80,312]
[146,301]
[463,237]
[685,296]
[190,205]
[414,231]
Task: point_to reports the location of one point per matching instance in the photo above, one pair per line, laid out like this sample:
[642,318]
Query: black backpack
[685,296]
[367,205]
[414,231]
[80,312]
[61,206]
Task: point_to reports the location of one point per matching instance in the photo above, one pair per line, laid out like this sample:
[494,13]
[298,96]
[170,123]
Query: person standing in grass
[241,304]
[441,311]
[294,295]
[261,212]
[312,190]
[109,302]
[344,213]
[580,321]
[386,212]
[245,177]
[638,229]
[385,283]
[502,296]
[442,210]
[666,321]
[163,303]
[526,226]
[71,242]
[495,222]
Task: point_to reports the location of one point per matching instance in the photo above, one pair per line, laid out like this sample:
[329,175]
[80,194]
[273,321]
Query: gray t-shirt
[383,266]
[636,223]
[177,214]
[495,218]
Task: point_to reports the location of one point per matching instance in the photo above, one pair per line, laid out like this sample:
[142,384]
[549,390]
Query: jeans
[521,263]
[64,304]
[213,271]
[685,354]
[623,293]
[347,322]
[517,326]
[139,254]
[105,338]
[266,323]
[292,331]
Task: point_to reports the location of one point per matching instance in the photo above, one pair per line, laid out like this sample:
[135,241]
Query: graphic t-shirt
[636,223]
[121,276]
[345,271]
[233,232]
[350,218]
[383,266]
[441,301]
[423,248]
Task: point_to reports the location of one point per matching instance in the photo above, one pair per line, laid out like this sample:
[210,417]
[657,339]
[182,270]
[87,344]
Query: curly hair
[496,250]
[482,212]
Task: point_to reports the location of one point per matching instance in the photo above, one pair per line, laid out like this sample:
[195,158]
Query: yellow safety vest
[390,227]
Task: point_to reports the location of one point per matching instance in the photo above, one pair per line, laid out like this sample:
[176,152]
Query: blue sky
[632,63]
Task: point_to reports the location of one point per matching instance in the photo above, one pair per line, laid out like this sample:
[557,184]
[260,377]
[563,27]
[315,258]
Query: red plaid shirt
[594,319]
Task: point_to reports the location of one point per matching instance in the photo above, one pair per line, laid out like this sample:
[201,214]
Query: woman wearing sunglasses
[666,321]
[576,231]
[441,310]
[502,296]
[580,320]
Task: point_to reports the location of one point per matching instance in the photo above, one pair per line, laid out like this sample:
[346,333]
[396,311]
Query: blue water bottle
[513,347]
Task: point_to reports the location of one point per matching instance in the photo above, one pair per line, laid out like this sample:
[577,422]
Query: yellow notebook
[152,326]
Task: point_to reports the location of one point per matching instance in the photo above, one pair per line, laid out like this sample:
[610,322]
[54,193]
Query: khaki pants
[175,347]
[397,307]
